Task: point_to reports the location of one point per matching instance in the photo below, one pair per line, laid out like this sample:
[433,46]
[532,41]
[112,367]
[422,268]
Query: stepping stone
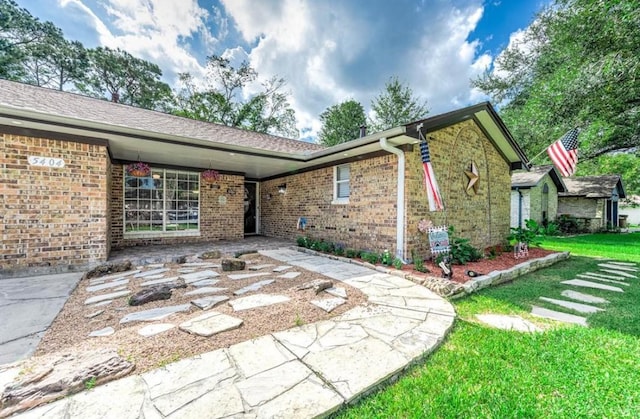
[154,276]
[257,300]
[205,290]
[154,329]
[205,303]
[618,267]
[104,297]
[581,308]
[329,304]
[154,313]
[246,276]
[601,275]
[505,322]
[200,265]
[625,274]
[186,270]
[337,292]
[589,284]
[118,275]
[622,263]
[209,324]
[585,298]
[159,281]
[155,265]
[120,288]
[103,303]
[94,314]
[199,276]
[205,282]
[258,267]
[254,287]
[289,275]
[597,278]
[152,272]
[558,315]
[108,285]
[107,331]
[281,268]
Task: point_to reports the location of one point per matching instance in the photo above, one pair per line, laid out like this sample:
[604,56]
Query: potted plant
[138,169]
[210,176]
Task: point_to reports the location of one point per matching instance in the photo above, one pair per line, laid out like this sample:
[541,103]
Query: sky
[328,51]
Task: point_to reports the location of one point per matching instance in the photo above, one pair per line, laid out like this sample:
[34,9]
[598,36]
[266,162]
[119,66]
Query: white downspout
[400,199]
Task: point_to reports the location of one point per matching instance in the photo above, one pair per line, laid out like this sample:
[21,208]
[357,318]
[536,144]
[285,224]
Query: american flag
[564,153]
[433,193]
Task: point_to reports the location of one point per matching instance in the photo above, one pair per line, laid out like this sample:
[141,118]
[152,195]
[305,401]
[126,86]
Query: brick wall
[221,213]
[483,217]
[366,222]
[53,219]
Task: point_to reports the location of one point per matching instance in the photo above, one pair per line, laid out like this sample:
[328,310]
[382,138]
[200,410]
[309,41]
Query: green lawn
[624,246]
[564,372]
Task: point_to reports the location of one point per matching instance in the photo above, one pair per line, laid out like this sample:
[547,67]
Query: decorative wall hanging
[474,178]
[430,183]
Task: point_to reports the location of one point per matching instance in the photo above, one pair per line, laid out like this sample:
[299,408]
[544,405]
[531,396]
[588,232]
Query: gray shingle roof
[533,177]
[86,109]
[593,186]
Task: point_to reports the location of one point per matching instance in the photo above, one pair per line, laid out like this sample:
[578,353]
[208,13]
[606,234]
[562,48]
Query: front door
[250,208]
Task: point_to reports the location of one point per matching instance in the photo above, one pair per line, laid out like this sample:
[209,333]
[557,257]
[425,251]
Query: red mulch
[483,266]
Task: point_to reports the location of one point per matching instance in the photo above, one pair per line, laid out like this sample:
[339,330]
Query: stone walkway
[306,371]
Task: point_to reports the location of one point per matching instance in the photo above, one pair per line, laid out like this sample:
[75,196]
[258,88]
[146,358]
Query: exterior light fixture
[282,188]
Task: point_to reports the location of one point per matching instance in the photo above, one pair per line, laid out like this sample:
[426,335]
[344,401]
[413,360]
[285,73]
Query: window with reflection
[165,201]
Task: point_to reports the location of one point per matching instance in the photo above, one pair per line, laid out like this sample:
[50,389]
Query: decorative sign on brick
[46,161]
[439,240]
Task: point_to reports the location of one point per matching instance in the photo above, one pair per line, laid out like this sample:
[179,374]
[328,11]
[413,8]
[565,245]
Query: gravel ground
[69,332]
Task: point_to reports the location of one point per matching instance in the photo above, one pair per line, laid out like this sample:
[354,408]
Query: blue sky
[328,51]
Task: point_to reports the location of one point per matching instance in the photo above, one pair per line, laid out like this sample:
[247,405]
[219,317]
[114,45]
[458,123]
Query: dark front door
[250,208]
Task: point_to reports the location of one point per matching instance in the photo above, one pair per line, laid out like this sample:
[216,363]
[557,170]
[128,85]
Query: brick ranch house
[67,199]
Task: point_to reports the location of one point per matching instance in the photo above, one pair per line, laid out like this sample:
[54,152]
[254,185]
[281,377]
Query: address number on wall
[45,161]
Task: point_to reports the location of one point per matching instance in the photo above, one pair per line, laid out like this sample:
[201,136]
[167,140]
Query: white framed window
[166,203]
[341,184]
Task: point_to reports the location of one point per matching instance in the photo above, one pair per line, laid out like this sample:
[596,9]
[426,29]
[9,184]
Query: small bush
[370,257]
[325,247]
[352,253]
[386,258]
[302,241]
[461,250]
[418,263]
[568,224]
[397,263]
[338,250]
[528,234]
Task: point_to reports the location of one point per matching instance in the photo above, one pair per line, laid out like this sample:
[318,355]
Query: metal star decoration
[474,178]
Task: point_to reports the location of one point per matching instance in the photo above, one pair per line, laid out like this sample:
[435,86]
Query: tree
[341,123]
[577,66]
[121,77]
[396,106]
[18,30]
[222,100]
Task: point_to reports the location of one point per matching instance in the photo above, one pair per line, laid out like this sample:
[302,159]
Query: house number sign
[46,161]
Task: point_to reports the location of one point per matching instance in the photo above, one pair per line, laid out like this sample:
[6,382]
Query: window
[341,188]
[167,201]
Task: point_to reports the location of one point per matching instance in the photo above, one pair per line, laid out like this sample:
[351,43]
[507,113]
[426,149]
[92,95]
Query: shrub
[527,235]
[302,241]
[386,258]
[325,247]
[567,224]
[552,229]
[461,250]
[370,257]
[338,250]
[418,263]
[397,263]
[352,253]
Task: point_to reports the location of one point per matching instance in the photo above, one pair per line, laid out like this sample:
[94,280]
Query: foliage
[461,250]
[396,106]
[397,263]
[386,258]
[567,224]
[90,383]
[223,100]
[341,123]
[302,241]
[338,250]
[325,247]
[551,229]
[576,66]
[370,257]
[352,253]
[119,76]
[528,234]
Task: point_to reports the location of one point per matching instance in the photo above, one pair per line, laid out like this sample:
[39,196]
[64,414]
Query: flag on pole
[564,153]
[433,193]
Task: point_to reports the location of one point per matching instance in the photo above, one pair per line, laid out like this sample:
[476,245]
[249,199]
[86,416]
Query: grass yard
[564,372]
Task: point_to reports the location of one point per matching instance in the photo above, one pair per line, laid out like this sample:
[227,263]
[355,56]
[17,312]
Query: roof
[88,109]
[602,186]
[530,179]
[161,139]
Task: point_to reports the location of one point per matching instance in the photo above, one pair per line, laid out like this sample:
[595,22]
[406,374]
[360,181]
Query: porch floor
[168,253]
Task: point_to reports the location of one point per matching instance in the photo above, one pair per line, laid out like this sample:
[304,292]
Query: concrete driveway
[28,306]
